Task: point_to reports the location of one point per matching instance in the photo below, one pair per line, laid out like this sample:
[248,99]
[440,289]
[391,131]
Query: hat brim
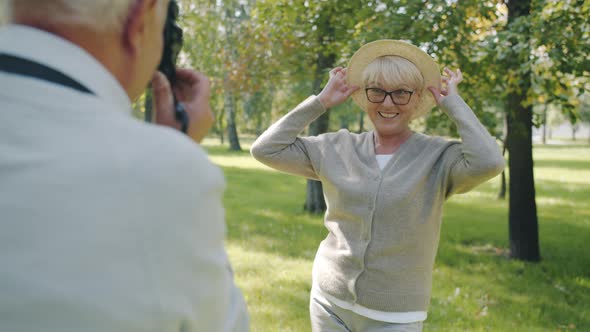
[373,50]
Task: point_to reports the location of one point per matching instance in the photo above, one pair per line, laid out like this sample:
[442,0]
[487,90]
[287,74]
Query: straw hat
[370,51]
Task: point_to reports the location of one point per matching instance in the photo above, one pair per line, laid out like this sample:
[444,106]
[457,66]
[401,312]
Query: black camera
[172,43]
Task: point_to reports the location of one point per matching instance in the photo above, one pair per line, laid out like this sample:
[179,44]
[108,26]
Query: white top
[383,159]
[108,223]
[382,316]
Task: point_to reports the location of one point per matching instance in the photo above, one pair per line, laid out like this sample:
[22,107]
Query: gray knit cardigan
[383,225]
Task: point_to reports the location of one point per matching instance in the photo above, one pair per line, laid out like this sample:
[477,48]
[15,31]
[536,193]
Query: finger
[190,82]
[459,75]
[435,93]
[163,100]
[449,72]
[342,75]
[351,89]
[162,91]
[335,71]
[189,76]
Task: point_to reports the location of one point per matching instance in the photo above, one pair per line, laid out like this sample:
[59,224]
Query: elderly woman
[384,188]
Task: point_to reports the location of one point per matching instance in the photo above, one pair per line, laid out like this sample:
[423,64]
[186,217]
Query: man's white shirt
[107,223]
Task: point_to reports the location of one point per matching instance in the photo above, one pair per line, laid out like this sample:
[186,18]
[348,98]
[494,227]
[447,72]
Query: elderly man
[106,223]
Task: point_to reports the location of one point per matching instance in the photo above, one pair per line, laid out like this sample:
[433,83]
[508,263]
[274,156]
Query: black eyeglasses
[398,97]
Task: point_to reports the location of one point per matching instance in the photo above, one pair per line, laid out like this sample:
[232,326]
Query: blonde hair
[99,15]
[393,71]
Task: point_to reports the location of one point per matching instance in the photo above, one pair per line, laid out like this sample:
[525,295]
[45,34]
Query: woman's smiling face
[387,117]
[393,88]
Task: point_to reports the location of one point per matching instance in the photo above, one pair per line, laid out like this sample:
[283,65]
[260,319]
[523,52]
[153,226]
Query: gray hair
[96,14]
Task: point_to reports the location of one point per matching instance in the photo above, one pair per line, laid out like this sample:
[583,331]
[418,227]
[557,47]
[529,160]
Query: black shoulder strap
[20,66]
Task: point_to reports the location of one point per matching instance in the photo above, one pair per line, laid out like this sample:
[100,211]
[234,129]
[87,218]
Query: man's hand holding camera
[193,90]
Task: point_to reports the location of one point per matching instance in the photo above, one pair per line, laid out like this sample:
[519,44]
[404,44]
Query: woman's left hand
[450,81]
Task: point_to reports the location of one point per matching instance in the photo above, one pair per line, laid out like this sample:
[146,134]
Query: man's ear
[134,29]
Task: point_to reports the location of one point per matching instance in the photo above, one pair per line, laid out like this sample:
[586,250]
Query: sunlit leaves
[275,44]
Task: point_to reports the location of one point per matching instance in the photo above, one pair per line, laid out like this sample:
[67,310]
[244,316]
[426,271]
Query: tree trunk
[314,197]
[314,200]
[219,125]
[523,224]
[344,123]
[545,125]
[229,98]
[232,132]
[502,192]
[574,130]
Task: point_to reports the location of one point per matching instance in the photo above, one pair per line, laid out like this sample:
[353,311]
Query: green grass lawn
[272,243]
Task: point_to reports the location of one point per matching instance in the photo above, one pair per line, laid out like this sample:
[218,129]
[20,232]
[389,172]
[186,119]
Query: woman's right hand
[337,90]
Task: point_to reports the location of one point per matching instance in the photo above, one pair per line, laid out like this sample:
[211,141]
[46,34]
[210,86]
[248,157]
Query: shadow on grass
[474,244]
[265,211]
[222,150]
[565,164]
[580,144]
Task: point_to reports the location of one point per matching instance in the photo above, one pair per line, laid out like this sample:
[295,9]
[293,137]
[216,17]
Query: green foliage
[272,244]
[272,47]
